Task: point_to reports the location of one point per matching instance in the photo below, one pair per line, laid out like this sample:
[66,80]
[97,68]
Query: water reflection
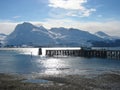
[17,60]
[64,66]
[26,51]
[75,65]
[52,65]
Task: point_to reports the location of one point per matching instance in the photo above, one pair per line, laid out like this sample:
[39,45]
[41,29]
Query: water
[36,81]
[21,61]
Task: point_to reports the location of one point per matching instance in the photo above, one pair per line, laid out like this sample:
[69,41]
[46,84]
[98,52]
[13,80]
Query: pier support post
[40,51]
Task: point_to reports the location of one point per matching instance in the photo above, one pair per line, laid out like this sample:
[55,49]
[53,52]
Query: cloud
[15,17]
[67,4]
[74,7]
[110,27]
[7,27]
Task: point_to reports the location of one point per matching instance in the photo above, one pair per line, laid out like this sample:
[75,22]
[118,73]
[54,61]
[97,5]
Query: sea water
[27,61]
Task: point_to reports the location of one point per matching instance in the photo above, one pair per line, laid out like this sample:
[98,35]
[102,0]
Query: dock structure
[80,52]
[101,53]
[62,51]
[52,53]
[93,53]
[113,54]
[40,51]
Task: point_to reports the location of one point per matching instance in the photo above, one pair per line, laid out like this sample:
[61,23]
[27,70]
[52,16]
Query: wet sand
[106,81]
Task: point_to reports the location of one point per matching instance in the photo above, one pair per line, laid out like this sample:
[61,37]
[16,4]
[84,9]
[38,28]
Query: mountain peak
[104,35]
[24,27]
[28,34]
[26,23]
[100,33]
[42,27]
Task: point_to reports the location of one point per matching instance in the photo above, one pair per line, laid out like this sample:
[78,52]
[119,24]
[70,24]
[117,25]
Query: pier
[93,53]
[113,54]
[81,52]
[52,53]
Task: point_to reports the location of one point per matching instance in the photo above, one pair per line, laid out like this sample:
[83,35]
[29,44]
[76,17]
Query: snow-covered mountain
[73,36]
[27,34]
[104,36]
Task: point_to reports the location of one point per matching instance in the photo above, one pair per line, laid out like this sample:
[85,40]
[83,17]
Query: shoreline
[105,81]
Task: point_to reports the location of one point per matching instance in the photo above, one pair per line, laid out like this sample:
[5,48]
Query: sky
[88,15]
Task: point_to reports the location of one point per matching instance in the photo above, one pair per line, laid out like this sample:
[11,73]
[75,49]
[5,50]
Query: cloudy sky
[88,15]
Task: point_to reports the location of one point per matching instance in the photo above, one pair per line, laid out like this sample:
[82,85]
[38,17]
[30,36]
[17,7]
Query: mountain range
[28,34]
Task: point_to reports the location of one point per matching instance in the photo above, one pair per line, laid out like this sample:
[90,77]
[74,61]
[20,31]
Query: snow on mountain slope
[104,35]
[73,36]
[27,33]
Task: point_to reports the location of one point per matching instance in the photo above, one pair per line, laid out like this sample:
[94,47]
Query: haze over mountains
[2,36]
[28,34]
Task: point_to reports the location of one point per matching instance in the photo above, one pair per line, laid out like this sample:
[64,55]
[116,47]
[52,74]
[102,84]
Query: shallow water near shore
[26,61]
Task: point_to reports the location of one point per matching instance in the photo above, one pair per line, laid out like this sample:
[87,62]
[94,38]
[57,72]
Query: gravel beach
[106,81]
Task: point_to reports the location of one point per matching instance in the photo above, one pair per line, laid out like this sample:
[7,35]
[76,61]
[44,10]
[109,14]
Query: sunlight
[52,65]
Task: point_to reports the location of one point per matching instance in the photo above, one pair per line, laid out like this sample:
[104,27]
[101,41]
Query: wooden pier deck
[79,52]
[52,53]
